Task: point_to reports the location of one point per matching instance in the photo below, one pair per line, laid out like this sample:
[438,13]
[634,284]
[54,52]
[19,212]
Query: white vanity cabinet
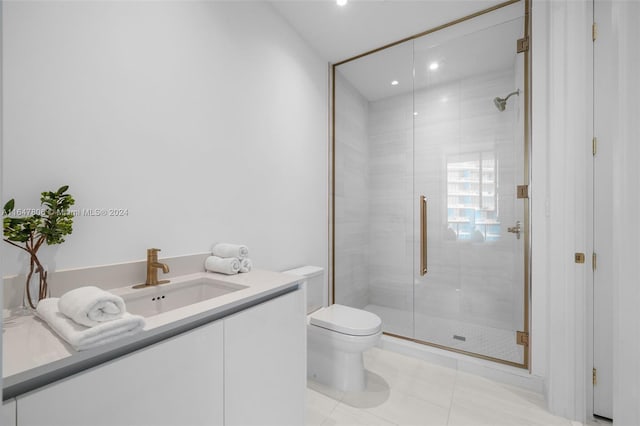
[265,363]
[248,368]
[9,413]
[178,381]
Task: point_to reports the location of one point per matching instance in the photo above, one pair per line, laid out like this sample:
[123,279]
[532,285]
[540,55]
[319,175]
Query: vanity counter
[34,355]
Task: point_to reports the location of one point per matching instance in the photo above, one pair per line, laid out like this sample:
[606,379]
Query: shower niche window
[430,144]
[472,212]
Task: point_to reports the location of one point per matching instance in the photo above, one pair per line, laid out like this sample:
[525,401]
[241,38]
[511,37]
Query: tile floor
[479,338]
[407,391]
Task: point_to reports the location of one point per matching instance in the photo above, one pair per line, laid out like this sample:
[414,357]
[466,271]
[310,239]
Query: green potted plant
[49,225]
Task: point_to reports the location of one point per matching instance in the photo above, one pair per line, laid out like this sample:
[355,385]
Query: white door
[604,113]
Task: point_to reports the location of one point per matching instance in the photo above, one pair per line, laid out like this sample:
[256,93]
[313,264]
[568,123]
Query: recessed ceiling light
[395,83]
[433,66]
[415,113]
[341,2]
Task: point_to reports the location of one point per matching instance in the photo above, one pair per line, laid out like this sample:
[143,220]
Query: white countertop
[31,350]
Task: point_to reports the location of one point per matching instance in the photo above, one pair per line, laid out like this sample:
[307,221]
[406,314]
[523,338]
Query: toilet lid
[346,320]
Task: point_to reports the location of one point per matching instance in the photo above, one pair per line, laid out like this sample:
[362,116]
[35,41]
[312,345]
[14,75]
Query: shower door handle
[515,229]
[423,235]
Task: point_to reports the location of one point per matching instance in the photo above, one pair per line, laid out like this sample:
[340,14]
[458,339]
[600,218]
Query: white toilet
[337,336]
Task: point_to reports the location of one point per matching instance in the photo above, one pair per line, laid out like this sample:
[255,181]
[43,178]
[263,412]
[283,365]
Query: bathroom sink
[162,298]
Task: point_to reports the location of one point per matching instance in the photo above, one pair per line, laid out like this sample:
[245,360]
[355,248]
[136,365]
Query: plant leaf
[8,207]
[52,225]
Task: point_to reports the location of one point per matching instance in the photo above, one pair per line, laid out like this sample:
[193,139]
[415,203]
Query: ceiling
[491,49]
[339,33]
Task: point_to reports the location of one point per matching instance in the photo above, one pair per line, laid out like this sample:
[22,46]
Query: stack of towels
[88,317]
[228,259]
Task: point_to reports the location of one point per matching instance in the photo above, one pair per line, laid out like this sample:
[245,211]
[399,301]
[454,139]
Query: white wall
[207,121]
[539,190]
[562,120]
[562,151]
[626,229]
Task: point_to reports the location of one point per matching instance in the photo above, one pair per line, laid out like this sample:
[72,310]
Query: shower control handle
[515,229]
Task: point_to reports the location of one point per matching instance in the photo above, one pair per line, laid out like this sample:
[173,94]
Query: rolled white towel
[230,250]
[229,266]
[245,265]
[91,305]
[81,337]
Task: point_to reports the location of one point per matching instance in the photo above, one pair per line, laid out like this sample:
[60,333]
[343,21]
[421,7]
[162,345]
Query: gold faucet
[152,269]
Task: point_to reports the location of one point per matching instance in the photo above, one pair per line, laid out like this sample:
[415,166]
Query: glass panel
[439,116]
[374,186]
[468,162]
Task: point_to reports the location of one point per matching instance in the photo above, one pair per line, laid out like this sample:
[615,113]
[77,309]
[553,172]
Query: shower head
[501,103]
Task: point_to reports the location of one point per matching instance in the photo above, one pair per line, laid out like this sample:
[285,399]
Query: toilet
[337,335]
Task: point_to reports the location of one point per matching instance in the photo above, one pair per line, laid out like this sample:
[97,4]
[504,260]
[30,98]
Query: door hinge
[523,191]
[594,145]
[522,338]
[594,31]
[594,261]
[595,376]
[522,45]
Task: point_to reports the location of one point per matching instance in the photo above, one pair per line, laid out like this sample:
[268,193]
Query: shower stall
[430,185]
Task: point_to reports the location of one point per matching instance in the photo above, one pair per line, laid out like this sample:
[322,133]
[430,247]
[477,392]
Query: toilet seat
[346,320]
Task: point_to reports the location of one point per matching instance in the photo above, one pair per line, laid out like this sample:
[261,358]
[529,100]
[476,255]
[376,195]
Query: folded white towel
[229,266]
[81,337]
[245,265]
[91,305]
[230,250]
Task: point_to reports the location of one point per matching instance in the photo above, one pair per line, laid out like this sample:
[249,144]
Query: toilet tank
[314,276]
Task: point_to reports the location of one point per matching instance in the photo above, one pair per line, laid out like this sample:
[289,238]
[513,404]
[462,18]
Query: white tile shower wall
[351,196]
[453,118]
[206,121]
[391,198]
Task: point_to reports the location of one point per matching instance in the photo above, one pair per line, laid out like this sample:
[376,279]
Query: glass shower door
[428,152]
[468,161]
[373,192]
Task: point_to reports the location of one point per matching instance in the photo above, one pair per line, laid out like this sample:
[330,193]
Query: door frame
[594,169]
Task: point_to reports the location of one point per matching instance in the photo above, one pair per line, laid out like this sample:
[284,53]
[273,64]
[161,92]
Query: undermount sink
[150,301]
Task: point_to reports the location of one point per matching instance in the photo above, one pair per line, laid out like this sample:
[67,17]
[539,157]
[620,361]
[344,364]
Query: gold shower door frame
[523,336]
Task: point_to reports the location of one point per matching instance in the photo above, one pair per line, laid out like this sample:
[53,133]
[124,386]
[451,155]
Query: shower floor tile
[480,339]
[407,391]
